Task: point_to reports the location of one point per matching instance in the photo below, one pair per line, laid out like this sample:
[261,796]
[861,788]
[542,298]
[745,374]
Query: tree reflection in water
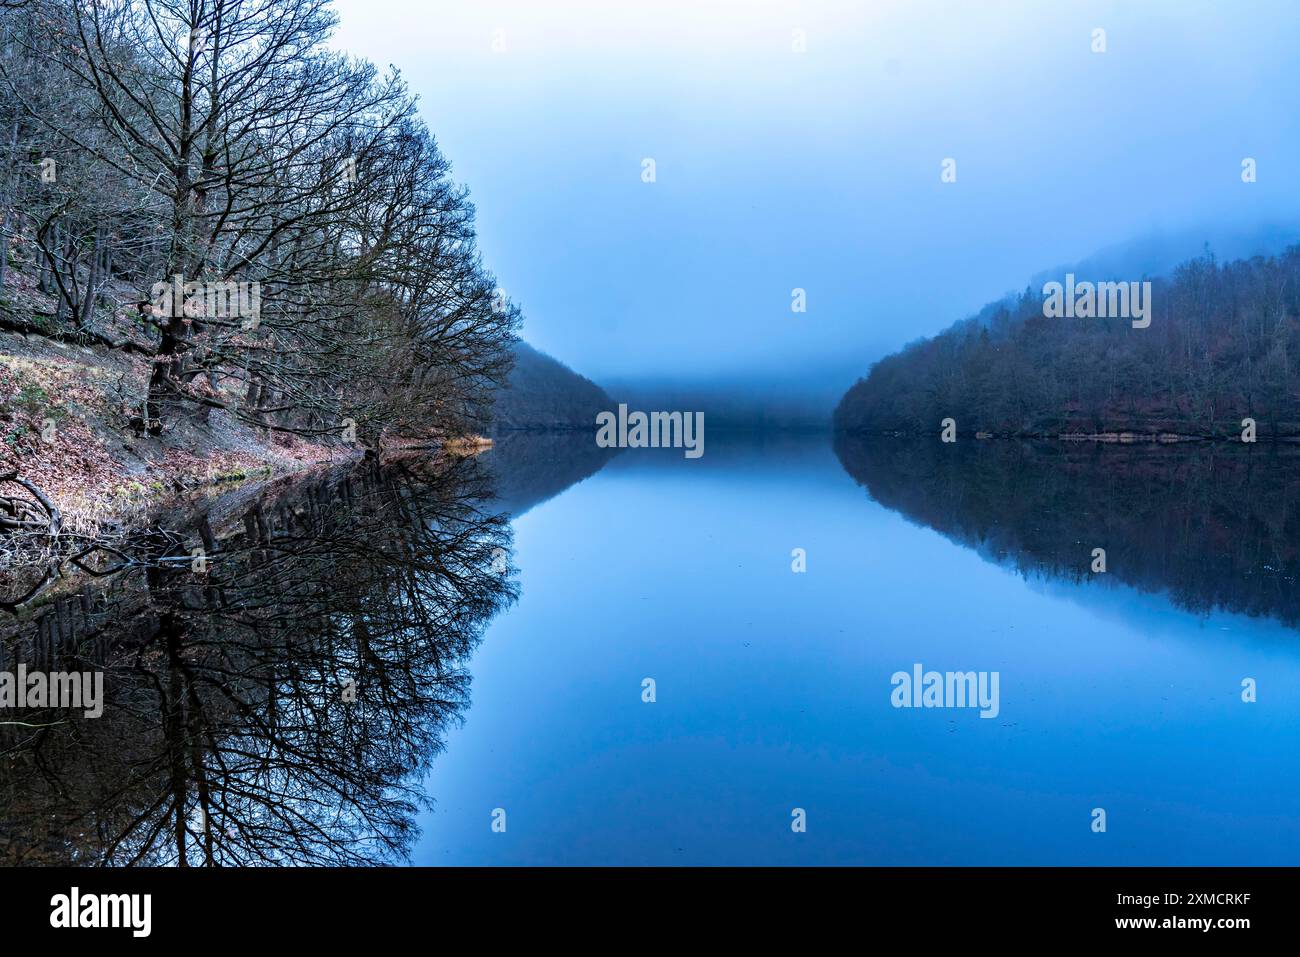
[1214,526]
[278,706]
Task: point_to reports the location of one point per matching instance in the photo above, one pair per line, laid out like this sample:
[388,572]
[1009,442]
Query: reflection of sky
[773,693]
[821,170]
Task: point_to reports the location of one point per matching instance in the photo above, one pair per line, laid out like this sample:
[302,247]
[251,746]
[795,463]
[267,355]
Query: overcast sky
[821,169]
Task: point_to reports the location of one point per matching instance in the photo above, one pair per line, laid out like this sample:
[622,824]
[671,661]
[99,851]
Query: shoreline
[1104,438]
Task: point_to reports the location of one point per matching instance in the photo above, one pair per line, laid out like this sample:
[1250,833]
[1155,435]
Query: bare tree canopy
[270,218]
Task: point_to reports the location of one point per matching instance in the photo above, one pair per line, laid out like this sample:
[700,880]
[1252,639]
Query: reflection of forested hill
[1214,526]
[315,662]
[544,393]
[527,468]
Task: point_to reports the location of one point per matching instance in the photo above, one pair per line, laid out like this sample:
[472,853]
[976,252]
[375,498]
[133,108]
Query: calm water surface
[376,658]
[1120,691]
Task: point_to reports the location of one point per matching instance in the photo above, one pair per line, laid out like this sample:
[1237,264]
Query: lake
[1120,691]
[448,664]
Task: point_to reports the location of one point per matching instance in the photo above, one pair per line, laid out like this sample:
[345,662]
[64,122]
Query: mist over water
[821,170]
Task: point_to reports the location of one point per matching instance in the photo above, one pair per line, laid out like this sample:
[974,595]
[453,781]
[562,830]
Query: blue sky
[821,170]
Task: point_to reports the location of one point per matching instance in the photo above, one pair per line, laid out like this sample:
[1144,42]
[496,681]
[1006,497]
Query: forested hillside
[225,249]
[1223,344]
[544,393]
[264,225]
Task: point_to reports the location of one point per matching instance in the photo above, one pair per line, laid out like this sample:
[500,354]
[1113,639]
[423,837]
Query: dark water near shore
[495,622]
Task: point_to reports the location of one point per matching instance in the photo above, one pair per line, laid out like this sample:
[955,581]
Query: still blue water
[773,687]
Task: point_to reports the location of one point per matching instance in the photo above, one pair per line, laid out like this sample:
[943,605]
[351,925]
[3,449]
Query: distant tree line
[542,393]
[222,142]
[1223,345]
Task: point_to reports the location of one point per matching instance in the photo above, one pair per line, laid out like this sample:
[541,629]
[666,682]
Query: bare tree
[230,151]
